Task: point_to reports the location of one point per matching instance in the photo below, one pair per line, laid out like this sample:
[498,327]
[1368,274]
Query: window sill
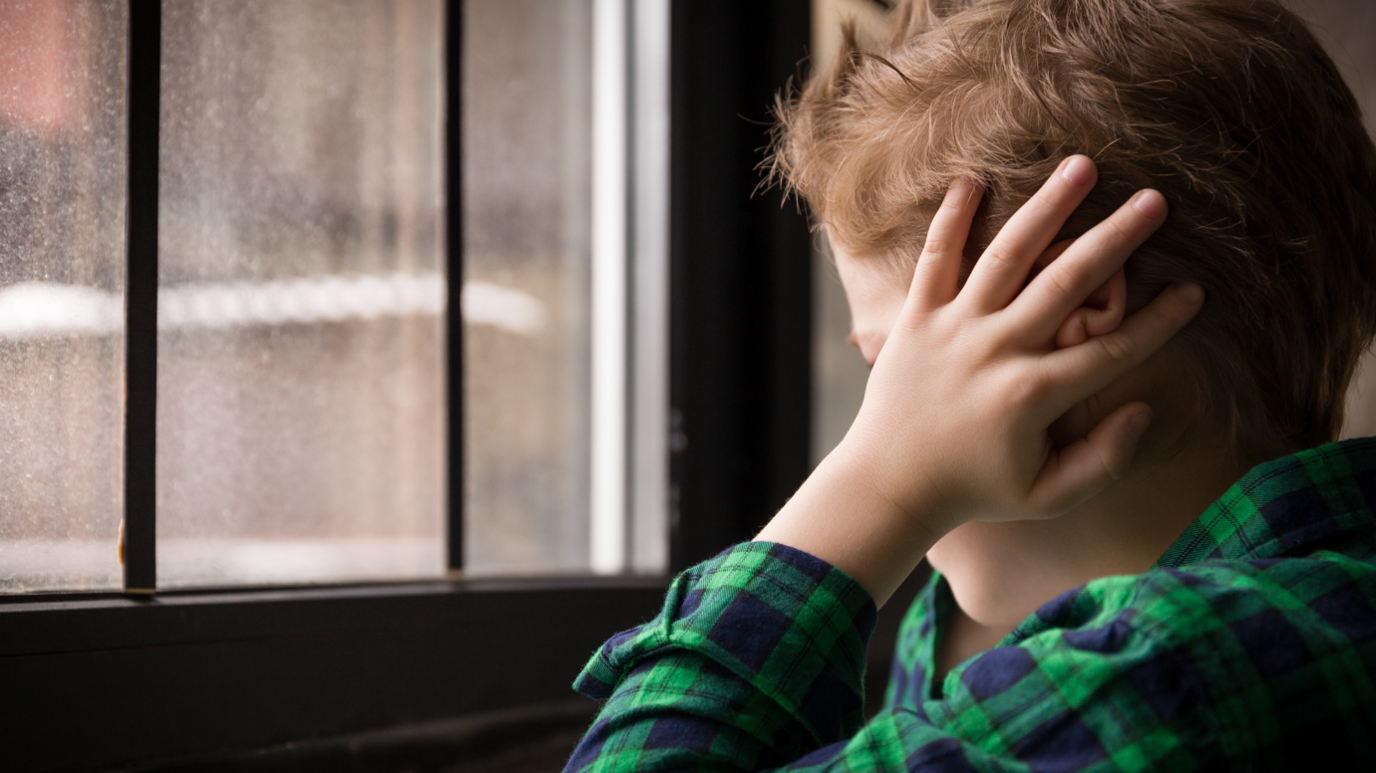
[105,680]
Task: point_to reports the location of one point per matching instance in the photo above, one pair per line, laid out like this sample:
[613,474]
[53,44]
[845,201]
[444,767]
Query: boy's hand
[971,378]
[955,417]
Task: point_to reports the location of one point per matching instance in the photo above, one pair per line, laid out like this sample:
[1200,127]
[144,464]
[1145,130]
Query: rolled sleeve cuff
[787,623]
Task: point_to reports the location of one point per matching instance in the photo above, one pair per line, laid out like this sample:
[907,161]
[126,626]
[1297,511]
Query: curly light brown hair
[1231,108]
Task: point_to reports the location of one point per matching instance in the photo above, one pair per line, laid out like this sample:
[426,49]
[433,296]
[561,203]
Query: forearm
[839,516]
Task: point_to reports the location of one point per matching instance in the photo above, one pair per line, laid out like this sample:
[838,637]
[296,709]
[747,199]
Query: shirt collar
[1286,506]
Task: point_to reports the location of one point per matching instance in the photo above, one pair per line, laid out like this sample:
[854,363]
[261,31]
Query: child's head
[1230,108]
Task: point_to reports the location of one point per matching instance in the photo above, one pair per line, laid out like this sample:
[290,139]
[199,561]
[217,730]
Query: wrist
[904,482]
[844,516]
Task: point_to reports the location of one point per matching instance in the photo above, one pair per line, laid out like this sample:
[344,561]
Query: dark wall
[741,277]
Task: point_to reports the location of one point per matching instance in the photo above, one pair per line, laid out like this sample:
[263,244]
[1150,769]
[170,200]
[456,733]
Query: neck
[1002,572]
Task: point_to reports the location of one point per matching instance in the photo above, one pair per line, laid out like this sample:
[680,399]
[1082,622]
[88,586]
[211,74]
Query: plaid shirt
[1249,646]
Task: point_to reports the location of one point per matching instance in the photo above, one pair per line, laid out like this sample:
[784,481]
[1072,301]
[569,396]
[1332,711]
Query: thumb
[1084,468]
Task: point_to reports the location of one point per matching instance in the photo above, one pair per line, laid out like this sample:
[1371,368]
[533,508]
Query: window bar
[607,537]
[649,285]
[453,200]
[141,300]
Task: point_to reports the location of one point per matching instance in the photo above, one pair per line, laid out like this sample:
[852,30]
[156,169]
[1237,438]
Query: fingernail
[1138,424]
[1192,293]
[1150,203]
[1078,170]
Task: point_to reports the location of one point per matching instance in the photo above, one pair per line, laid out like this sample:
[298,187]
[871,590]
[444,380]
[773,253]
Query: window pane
[300,405]
[527,147]
[62,194]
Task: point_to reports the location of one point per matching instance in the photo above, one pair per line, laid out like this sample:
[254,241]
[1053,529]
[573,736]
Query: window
[565,207]
[62,180]
[301,291]
[364,500]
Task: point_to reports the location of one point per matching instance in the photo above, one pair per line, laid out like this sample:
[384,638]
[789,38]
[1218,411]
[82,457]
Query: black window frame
[146,679]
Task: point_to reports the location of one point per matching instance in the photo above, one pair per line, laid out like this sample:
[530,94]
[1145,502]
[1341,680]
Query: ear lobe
[1100,314]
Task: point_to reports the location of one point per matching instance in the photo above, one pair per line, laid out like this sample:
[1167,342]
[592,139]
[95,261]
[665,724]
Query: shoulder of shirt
[1180,605]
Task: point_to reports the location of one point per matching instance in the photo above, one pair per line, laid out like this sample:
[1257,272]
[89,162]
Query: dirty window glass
[301,292]
[527,138]
[62,199]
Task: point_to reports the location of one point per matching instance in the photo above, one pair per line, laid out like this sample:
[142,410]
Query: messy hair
[1231,108]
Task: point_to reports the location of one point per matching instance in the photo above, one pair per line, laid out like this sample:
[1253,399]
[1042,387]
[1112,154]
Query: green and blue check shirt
[1251,646]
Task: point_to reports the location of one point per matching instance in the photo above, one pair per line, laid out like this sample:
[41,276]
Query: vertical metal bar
[141,299]
[649,301]
[607,530]
[453,182]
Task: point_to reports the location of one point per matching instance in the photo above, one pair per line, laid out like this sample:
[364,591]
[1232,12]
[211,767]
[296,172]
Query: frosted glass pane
[62,185]
[527,189]
[300,404]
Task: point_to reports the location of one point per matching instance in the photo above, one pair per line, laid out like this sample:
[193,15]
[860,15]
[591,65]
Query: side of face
[875,300]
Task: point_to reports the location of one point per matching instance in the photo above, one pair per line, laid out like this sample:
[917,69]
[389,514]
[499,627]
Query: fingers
[1075,373]
[1054,251]
[1099,315]
[1041,310]
[936,279]
[1101,311]
[1087,466]
[1000,271]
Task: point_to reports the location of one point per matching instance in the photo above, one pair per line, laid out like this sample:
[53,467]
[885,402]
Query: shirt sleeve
[756,662]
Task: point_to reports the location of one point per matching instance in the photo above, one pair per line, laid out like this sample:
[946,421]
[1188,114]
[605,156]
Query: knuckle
[998,254]
[1117,231]
[1118,348]
[1052,196]
[952,205]
[1062,279]
[1016,395]
[1056,196]
[1112,467]
[936,244]
[1034,386]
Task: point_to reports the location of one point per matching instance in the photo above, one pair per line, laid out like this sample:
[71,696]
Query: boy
[1123,580]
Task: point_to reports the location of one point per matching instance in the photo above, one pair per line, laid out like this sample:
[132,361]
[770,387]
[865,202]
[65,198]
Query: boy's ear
[1101,313]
